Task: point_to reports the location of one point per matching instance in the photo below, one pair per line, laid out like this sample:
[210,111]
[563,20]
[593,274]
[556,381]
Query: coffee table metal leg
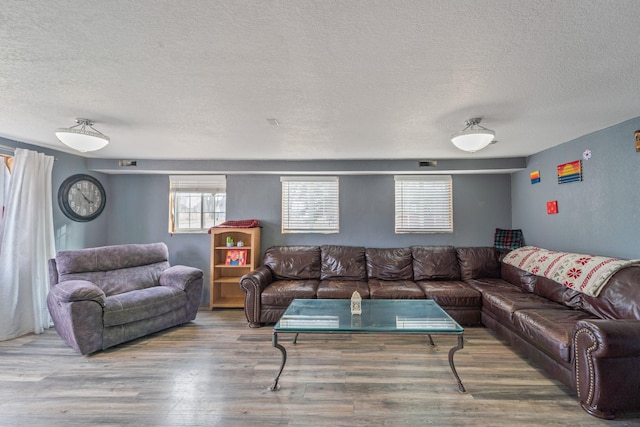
[431,343]
[275,386]
[453,368]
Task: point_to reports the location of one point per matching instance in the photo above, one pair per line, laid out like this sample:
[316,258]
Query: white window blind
[424,204]
[197,202]
[310,204]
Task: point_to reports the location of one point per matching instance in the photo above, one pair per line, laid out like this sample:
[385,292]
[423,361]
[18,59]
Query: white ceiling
[349,79]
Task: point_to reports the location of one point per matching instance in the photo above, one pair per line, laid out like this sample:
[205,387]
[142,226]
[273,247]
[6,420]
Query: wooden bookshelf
[225,275]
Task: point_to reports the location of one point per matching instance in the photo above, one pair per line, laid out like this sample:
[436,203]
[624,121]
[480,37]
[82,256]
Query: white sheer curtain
[26,243]
[5,178]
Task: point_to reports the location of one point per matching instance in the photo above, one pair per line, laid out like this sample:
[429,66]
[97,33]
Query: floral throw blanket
[584,273]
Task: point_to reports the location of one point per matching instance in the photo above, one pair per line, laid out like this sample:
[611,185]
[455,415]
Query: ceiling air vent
[128,163]
[427,163]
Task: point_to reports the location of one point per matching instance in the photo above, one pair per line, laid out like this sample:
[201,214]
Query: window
[197,202]
[310,204]
[424,204]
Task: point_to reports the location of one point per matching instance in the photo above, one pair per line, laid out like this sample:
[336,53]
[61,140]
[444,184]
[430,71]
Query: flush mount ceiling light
[474,137]
[80,138]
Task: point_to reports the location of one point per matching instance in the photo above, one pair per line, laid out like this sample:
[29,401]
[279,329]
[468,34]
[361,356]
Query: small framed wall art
[570,172]
[552,207]
[535,177]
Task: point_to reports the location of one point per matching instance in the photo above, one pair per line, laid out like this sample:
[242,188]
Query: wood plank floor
[216,370]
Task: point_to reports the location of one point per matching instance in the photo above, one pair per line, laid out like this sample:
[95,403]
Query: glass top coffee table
[333,316]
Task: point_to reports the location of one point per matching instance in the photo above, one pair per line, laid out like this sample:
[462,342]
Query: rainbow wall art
[570,172]
[535,177]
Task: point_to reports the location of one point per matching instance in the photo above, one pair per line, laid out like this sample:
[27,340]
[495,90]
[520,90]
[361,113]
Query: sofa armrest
[78,290]
[253,283]
[607,354]
[180,276]
[190,280]
[76,307]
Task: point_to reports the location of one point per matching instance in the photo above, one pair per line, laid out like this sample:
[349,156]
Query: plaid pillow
[508,239]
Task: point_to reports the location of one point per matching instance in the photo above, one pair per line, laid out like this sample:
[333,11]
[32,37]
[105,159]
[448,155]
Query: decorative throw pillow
[507,240]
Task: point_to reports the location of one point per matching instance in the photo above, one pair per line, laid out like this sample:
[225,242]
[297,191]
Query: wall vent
[427,163]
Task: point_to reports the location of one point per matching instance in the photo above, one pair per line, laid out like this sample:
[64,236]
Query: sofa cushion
[449,293]
[478,262]
[550,329]
[108,258]
[518,277]
[282,292]
[435,263]
[507,240]
[490,284]
[293,262]
[615,300]
[394,289]
[554,291]
[115,269]
[343,263]
[142,304]
[389,264]
[116,282]
[503,304]
[342,289]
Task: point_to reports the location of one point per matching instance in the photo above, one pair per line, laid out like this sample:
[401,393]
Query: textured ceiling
[350,79]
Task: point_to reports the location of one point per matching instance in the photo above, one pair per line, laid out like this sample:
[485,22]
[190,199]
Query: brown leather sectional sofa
[590,344]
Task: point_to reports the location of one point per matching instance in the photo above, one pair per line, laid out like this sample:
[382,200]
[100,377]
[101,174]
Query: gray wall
[481,203]
[138,213]
[601,214]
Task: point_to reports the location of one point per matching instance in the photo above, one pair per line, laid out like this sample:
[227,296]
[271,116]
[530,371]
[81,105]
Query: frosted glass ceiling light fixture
[474,137]
[82,139]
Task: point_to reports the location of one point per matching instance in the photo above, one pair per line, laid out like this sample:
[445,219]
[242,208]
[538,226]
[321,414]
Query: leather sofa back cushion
[554,291]
[293,262]
[478,262]
[435,263]
[389,264]
[619,299]
[520,278]
[343,263]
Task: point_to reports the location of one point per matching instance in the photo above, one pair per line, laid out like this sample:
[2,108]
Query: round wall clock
[82,198]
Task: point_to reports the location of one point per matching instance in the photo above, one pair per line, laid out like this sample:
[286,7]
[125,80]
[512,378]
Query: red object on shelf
[242,223]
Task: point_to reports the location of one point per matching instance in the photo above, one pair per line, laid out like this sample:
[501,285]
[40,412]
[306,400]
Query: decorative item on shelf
[242,223]
[552,207]
[356,303]
[229,242]
[570,172]
[535,177]
[80,138]
[240,243]
[473,137]
[586,155]
[236,257]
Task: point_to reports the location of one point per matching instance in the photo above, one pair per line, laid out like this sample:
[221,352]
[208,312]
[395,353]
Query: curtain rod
[7,148]
[13,150]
